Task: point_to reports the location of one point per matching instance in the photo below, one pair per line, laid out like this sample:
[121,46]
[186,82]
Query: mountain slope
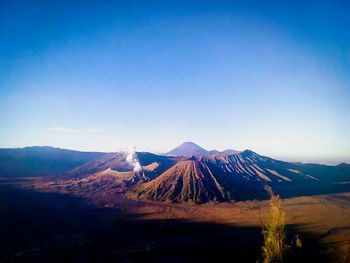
[193,180]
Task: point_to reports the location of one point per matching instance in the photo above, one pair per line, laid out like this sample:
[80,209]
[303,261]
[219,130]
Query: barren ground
[106,226]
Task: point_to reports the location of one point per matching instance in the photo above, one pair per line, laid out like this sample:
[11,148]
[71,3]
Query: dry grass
[274,248]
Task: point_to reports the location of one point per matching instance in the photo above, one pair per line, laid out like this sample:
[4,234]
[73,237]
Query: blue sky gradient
[273,77]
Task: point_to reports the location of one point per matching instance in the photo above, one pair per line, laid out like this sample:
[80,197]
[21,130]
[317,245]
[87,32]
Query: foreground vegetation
[274,248]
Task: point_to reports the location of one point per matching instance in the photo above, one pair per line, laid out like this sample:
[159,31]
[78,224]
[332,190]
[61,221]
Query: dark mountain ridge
[41,161]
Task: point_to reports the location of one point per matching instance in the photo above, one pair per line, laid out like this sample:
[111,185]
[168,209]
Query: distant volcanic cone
[187,149]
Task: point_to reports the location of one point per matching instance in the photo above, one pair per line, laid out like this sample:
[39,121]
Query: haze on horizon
[270,77]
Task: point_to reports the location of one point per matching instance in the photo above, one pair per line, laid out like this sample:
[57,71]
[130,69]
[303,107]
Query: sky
[273,77]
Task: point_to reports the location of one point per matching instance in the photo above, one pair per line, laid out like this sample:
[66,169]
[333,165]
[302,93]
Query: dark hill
[41,161]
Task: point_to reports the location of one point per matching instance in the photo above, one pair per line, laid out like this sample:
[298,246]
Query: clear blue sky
[273,77]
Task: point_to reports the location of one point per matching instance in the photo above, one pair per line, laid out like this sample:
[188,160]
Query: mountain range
[188,173]
[190,149]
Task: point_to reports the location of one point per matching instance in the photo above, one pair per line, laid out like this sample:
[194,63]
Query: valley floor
[41,226]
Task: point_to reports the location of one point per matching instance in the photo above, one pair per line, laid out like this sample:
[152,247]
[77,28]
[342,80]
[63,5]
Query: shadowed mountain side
[115,161]
[46,227]
[315,188]
[153,165]
[300,172]
[330,174]
[41,161]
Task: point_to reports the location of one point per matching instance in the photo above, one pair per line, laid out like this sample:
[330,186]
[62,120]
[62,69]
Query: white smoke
[131,158]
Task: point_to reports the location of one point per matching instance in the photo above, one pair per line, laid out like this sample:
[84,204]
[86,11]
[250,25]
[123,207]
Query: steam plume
[131,158]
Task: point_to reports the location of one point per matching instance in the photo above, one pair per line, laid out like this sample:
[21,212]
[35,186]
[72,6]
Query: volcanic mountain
[188,173]
[219,177]
[189,149]
[238,176]
[114,170]
[151,164]
[198,181]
